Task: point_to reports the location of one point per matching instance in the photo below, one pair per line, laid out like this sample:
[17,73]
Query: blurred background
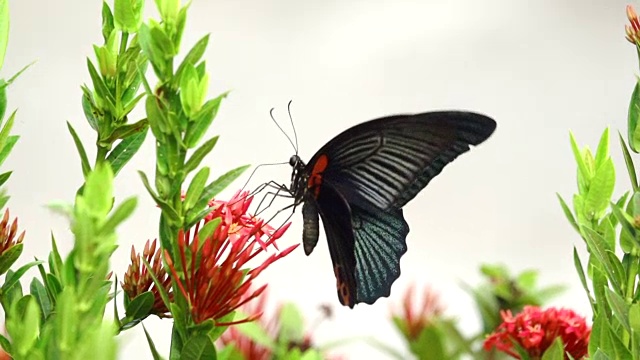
[539,68]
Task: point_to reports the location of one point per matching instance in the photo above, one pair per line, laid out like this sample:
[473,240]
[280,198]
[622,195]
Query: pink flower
[535,330]
[216,279]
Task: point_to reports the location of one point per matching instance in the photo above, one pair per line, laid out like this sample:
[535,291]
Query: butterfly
[359,182]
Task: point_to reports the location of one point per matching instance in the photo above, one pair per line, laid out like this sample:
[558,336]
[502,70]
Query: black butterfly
[360,180]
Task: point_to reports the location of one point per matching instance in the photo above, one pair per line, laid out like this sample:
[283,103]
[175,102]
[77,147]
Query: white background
[539,68]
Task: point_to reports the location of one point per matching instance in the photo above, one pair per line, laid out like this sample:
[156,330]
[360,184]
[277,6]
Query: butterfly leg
[280,191]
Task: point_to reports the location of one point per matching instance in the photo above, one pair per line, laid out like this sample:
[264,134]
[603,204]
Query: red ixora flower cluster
[535,330]
[418,316]
[216,277]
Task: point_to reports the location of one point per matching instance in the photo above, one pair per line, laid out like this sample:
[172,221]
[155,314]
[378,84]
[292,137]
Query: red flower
[216,279]
[246,345]
[535,330]
[249,349]
[416,318]
[632,31]
[137,279]
[8,233]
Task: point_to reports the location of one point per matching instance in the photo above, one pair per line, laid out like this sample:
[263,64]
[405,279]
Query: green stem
[101,155]
[123,42]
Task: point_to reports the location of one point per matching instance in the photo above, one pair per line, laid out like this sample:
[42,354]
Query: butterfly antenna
[295,134]
[280,127]
[256,169]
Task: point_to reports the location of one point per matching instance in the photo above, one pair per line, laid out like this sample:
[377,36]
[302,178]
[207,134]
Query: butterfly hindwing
[380,242]
[336,218]
[384,163]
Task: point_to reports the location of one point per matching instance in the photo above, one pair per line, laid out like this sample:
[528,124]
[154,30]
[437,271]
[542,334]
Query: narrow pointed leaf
[125,150]
[84,160]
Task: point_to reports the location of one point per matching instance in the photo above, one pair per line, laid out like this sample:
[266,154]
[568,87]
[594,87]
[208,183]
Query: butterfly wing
[384,163]
[380,242]
[336,218]
[362,178]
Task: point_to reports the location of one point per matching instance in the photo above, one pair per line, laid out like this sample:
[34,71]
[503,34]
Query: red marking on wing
[315,179]
[343,289]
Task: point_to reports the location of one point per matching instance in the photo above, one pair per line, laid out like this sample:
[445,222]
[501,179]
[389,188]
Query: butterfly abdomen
[310,227]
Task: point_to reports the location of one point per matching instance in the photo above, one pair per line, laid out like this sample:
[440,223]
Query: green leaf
[199,154]
[152,346]
[140,306]
[602,153]
[555,351]
[429,345]
[157,118]
[38,291]
[218,330]
[3,178]
[8,146]
[632,121]
[107,21]
[619,308]
[631,169]
[199,347]
[155,56]
[203,120]
[14,278]
[98,190]
[195,188]
[6,129]
[128,14]
[90,109]
[124,131]
[291,323]
[597,247]
[180,24]
[25,323]
[121,213]
[55,260]
[125,150]
[9,257]
[257,333]
[84,160]
[5,344]
[628,230]
[219,184]
[162,42]
[207,230]
[102,91]
[4,29]
[194,55]
[568,214]
[3,97]
[580,270]
[164,295]
[601,190]
[161,203]
[599,355]
[582,167]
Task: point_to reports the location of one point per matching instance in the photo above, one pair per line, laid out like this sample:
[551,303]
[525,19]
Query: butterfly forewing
[385,162]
